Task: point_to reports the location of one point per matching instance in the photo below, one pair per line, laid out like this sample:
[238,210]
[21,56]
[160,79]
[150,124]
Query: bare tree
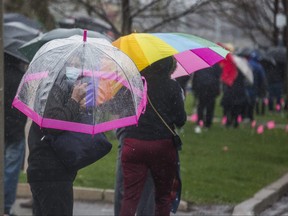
[256,19]
[32,8]
[252,19]
[139,15]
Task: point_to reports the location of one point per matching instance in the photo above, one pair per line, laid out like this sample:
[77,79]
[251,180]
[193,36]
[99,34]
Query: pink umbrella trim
[74,126]
[79,127]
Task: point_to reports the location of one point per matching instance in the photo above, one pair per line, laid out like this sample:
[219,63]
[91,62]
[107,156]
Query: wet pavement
[101,208]
[279,208]
[272,200]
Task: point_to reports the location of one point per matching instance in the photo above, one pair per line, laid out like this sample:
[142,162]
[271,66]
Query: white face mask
[72,73]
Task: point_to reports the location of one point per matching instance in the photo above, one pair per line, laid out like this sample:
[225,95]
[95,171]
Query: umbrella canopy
[16,17]
[114,91]
[192,53]
[30,48]
[15,35]
[277,53]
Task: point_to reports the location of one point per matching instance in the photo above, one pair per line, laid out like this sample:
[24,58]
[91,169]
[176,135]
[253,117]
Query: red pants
[137,157]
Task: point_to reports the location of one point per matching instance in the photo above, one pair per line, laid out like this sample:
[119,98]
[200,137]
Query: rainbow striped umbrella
[192,53]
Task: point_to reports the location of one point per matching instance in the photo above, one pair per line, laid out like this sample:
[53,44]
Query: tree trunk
[126,17]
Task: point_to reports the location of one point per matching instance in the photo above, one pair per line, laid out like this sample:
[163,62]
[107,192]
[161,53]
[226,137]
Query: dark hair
[163,67]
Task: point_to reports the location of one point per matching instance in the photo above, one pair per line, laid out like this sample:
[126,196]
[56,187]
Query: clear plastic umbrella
[115,95]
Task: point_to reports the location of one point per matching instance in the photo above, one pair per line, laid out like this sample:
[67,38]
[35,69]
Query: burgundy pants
[137,157]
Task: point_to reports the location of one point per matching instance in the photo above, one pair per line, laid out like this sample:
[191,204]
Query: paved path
[280,208]
[100,208]
[269,201]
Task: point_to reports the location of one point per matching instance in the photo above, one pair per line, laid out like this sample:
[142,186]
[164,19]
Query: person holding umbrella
[15,34]
[51,183]
[149,146]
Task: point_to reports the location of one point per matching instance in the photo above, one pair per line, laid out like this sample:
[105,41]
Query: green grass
[211,175]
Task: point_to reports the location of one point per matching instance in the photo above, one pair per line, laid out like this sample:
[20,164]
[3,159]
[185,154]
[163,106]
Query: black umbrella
[278,53]
[29,49]
[16,17]
[15,35]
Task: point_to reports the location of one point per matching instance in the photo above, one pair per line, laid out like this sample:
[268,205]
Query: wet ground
[280,208]
[106,209]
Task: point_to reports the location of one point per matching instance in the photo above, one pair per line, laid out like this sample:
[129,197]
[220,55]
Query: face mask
[72,73]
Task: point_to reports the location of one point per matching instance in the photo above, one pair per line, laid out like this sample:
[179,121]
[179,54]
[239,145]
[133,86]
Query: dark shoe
[28,204]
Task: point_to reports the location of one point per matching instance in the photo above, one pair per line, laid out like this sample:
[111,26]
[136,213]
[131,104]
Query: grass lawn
[210,174]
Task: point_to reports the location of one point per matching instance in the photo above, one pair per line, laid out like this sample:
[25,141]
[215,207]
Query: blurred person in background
[206,88]
[256,91]
[275,73]
[14,126]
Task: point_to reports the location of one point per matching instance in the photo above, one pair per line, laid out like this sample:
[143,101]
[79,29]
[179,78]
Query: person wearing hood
[149,147]
[256,91]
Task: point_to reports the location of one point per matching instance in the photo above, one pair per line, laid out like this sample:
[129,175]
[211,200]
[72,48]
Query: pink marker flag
[286,128]
[239,119]
[278,107]
[194,117]
[270,124]
[253,123]
[260,129]
[224,120]
[201,123]
[266,101]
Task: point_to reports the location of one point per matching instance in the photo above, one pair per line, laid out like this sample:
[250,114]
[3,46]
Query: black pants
[205,109]
[52,198]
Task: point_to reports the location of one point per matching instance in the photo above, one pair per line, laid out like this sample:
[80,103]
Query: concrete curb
[86,194]
[263,198]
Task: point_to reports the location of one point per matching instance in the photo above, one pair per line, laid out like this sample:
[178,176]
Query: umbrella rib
[116,49]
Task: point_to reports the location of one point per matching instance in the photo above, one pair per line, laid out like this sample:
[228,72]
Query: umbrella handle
[85,35]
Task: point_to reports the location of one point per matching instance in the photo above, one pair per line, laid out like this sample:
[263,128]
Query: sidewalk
[91,201]
[263,198]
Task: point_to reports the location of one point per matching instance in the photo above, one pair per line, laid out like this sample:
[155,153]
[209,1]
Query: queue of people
[240,99]
[148,161]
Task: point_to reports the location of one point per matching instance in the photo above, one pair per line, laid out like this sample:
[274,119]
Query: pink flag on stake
[260,129]
[194,117]
[253,123]
[286,128]
[201,123]
[266,101]
[278,107]
[270,124]
[224,120]
[239,119]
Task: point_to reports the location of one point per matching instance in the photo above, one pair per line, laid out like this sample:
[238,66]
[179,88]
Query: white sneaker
[197,129]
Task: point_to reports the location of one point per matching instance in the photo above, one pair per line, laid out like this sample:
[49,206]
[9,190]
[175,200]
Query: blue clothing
[258,88]
[14,155]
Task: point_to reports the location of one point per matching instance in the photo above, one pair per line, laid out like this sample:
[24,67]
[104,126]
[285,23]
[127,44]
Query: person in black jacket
[149,145]
[14,125]
[206,87]
[234,100]
[50,182]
